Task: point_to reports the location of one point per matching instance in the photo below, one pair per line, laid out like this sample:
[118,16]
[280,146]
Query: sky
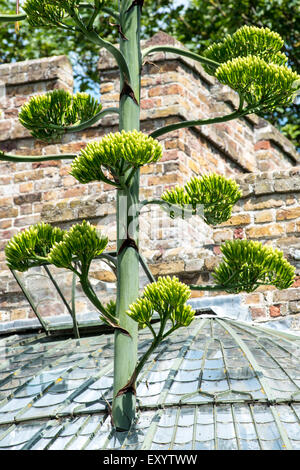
[180,2]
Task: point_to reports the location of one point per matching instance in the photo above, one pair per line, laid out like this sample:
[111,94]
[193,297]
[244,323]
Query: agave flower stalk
[252,64]
[127,243]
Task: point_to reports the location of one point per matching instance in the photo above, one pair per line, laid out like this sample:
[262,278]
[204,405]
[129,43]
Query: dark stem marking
[136,3]
[128,243]
[129,387]
[116,25]
[128,91]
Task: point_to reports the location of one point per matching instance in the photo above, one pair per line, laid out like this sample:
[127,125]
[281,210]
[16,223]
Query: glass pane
[227,444]
[205,432]
[249,444]
[208,445]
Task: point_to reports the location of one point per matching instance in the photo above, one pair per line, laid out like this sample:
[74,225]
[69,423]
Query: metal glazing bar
[203,362]
[72,309]
[177,362]
[295,413]
[194,428]
[151,430]
[15,375]
[235,426]
[72,439]
[255,426]
[214,399]
[175,428]
[7,431]
[215,426]
[91,436]
[293,338]
[224,361]
[283,434]
[163,395]
[258,370]
[284,370]
[107,440]
[30,300]
[56,435]
[35,438]
[18,418]
[146,268]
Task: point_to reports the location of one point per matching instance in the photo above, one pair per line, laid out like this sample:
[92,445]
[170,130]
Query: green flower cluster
[263,86]
[248,264]
[248,41]
[47,116]
[42,243]
[111,308]
[81,243]
[168,298]
[252,64]
[31,247]
[48,13]
[116,153]
[211,196]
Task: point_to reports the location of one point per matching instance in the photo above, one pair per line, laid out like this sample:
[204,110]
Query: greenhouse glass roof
[218,384]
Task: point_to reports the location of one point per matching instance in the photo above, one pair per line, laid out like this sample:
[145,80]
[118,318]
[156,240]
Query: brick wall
[249,150]
[269,212]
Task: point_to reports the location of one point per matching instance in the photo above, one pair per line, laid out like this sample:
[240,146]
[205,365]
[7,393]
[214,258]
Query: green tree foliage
[207,21]
[32,42]
[203,22]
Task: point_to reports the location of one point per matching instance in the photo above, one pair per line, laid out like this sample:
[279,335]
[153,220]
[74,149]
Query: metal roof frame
[63,389]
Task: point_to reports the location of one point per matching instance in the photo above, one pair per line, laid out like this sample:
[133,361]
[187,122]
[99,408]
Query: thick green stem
[89,292]
[12,18]
[146,356]
[157,339]
[33,158]
[125,357]
[105,315]
[73,309]
[182,52]
[199,122]
[84,125]
[96,39]
[94,15]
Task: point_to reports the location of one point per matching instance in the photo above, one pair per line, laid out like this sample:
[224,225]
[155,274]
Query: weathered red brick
[275,311]
[262,145]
